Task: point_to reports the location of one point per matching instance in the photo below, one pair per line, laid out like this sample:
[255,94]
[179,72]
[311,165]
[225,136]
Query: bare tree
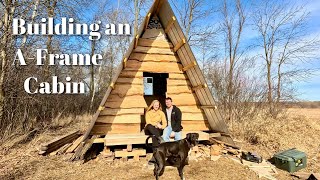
[282,28]
[5,45]
[190,12]
[232,28]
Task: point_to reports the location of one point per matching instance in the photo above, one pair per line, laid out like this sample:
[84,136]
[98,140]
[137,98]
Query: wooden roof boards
[158,48]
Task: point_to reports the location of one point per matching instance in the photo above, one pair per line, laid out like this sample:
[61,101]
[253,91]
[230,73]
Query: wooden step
[138,138]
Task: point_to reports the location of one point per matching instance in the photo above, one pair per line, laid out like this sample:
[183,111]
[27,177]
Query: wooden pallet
[124,154]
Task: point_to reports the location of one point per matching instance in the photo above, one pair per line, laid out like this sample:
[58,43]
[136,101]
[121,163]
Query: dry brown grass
[299,129]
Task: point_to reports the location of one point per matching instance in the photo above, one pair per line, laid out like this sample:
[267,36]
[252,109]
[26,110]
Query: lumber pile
[60,142]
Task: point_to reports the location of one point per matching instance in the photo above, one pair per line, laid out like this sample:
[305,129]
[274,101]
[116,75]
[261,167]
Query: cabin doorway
[155,87]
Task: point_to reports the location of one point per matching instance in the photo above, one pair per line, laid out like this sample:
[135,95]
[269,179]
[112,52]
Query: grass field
[299,128]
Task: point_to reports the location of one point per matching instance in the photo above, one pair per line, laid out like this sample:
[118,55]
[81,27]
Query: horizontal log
[153,50]
[122,90]
[189,109]
[154,57]
[131,74]
[137,81]
[179,89]
[174,82]
[154,43]
[193,116]
[156,34]
[184,99]
[195,125]
[115,129]
[134,101]
[157,67]
[118,119]
[122,111]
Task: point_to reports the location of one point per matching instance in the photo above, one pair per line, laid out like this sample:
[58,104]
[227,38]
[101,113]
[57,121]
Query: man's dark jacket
[175,119]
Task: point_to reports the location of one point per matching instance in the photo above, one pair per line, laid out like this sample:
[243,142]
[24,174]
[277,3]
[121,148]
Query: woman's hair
[151,105]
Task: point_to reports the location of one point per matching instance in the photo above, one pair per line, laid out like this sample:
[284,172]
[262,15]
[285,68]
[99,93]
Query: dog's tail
[153,139]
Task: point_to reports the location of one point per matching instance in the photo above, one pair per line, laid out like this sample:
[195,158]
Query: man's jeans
[166,134]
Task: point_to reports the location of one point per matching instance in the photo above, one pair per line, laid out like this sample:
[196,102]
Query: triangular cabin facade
[159,63]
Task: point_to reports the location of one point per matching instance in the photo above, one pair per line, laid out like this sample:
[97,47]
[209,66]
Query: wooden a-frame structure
[160,46]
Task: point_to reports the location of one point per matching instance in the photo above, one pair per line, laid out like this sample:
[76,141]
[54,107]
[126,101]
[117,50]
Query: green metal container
[290,160]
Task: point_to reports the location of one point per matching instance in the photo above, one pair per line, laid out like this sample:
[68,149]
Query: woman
[155,119]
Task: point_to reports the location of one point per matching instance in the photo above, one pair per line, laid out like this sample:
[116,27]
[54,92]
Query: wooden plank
[208,107]
[153,57]
[193,116]
[131,74]
[195,125]
[129,148]
[189,66]
[125,62]
[135,81]
[74,145]
[58,142]
[153,50]
[174,82]
[184,99]
[134,101]
[136,41]
[139,74]
[156,67]
[170,24]
[126,118]
[115,129]
[189,109]
[147,20]
[179,45]
[173,89]
[199,87]
[122,111]
[154,43]
[158,7]
[122,90]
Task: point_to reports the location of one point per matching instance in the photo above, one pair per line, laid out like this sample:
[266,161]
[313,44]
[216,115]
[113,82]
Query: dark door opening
[155,87]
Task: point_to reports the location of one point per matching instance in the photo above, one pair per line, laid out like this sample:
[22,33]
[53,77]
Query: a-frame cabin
[159,63]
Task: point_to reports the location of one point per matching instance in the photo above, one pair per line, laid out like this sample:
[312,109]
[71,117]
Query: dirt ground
[21,161]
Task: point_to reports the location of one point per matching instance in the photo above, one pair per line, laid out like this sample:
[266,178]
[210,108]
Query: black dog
[173,153]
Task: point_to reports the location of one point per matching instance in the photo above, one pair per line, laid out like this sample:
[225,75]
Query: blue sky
[310,88]
[307,90]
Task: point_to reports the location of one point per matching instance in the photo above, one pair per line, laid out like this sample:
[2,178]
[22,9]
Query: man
[173,116]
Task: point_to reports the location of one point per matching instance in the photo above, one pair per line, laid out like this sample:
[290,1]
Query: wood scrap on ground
[58,142]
